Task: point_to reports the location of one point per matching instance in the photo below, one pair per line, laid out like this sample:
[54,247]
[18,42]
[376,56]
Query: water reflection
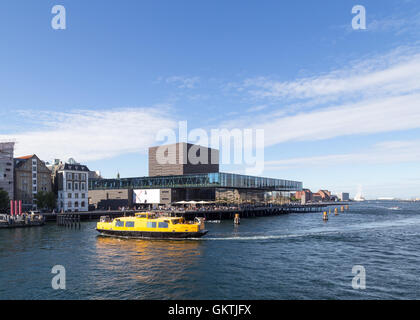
[149,261]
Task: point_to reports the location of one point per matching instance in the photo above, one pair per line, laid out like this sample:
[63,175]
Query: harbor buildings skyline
[181,179]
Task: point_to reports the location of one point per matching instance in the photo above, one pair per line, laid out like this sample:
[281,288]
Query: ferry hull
[152,235]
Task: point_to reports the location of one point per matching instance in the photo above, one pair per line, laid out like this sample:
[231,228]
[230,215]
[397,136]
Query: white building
[71,181]
[344,196]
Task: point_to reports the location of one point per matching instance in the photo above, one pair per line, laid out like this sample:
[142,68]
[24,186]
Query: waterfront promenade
[210,213]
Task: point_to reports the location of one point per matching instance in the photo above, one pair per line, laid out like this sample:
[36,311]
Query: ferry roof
[204,180]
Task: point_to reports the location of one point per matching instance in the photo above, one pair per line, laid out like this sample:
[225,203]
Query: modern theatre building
[175,175]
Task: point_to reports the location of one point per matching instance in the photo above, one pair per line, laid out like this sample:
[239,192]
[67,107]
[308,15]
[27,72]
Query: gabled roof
[25,157]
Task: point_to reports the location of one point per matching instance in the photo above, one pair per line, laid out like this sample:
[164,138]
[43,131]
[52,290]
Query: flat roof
[203,180]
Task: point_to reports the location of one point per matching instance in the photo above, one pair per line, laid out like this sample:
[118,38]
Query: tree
[50,200]
[45,200]
[4,200]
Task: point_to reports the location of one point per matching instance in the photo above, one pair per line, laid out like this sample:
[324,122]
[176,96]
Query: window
[83,195]
[76,195]
[151,224]
[69,204]
[82,204]
[68,176]
[69,195]
[76,176]
[76,204]
[69,186]
[163,225]
[129,224]
[82,186]
[119,223]
[76,186]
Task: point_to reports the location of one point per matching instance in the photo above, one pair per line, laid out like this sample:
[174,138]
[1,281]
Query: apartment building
[31,176]
[71,184]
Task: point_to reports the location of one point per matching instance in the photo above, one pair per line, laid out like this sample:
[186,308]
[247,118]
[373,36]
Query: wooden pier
[68,220]
[90,215]
[73,219]
[248,212]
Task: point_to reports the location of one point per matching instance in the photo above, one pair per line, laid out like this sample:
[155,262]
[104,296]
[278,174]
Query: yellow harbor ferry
[150,225]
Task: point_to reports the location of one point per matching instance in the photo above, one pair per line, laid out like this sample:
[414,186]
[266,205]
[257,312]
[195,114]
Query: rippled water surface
[296,256]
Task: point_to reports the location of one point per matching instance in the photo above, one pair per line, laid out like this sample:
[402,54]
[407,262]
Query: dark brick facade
[200,160]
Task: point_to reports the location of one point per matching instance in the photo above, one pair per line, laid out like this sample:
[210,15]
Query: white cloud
[395,73]
[366,117]
[374,96]
[395,24]
[183,82]
[257,108]
[382,153]
[91,135]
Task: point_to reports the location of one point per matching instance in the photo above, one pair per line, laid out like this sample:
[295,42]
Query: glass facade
[206,180]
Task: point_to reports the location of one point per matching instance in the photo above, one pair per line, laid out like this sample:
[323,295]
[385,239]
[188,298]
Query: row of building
[306,195]
[23,177]
[173,177]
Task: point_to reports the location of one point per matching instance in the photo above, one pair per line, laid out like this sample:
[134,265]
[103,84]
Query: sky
[339,108]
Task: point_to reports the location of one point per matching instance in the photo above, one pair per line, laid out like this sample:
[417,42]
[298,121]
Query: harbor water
[294,256]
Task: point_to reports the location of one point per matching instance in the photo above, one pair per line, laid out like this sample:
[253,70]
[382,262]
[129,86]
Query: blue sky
[339,107]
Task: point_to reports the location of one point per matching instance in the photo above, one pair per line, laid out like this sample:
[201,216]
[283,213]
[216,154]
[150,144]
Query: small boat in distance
[150,226]
[359,198]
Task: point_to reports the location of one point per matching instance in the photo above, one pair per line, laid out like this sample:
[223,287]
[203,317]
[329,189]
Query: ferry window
[119,224]
[143,216]
[163,225]
[129,224]
[176,221]
[151,224]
